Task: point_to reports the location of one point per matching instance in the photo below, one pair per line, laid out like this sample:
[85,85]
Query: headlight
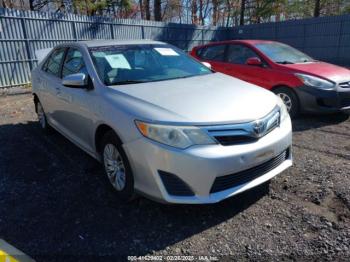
[315,82]
[176,136]
[283,109]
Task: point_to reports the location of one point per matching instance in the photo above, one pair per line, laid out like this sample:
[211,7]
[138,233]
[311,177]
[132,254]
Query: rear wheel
[117,167]
[290,99]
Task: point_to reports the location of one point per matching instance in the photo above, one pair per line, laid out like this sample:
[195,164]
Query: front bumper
[315,100]
[199,166]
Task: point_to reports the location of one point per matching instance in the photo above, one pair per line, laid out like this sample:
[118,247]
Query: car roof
[97,43]
[241,41]
[254,41]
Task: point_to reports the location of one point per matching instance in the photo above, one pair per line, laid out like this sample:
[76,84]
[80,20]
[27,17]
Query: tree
[194,9]
[147,9]
[142,15]
[317,8]
[172,11]
[215,17]
[241,19]
[157,10]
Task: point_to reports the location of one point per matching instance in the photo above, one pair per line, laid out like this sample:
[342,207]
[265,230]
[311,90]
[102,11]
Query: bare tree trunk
[157,10]
[141,9]
[228,6]
[147,10]
[317,8]
[241,21]
[31,5]
[215,12]
[194,12]
[201,17]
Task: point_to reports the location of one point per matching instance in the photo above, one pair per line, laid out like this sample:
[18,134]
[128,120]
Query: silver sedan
[163,124]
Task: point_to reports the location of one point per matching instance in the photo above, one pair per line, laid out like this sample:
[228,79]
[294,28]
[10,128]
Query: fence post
[25,36]
[74,31]
[202,31]
[339,41]
[304,35]
[112,31]
[143,31]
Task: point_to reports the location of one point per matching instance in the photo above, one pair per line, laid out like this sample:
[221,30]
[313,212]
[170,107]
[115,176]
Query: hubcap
[286,100]
[41,116]
[114,166]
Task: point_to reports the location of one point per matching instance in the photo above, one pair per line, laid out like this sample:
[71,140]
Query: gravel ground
[56,205]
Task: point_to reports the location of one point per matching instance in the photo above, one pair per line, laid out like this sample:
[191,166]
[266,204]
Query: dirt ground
[56,205]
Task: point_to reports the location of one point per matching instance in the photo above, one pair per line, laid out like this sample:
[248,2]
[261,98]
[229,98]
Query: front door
[237,56]
[76,113]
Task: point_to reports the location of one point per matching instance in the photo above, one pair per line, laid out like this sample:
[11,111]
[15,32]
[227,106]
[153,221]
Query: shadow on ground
[307,122]
[54,199]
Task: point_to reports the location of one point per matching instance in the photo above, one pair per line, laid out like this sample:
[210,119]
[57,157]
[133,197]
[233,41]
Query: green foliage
[98,7]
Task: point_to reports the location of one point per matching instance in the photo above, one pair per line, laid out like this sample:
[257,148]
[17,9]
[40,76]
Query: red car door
[213,54]
[237,66]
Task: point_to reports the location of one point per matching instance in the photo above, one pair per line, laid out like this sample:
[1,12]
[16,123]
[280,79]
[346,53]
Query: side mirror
[79,80]
[207,64]
[254,61]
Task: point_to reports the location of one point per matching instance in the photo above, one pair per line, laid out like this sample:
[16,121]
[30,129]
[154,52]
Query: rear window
[53,63]
[213,53]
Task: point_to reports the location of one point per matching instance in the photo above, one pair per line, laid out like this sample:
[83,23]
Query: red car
[303,83]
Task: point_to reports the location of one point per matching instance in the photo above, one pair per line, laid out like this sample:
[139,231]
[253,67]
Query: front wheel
[290,100]
[117,167]
[42,118]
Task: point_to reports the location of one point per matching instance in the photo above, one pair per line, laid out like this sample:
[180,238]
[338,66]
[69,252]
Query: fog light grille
[174,185]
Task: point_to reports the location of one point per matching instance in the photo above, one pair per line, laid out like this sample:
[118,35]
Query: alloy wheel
[114,167]
[286,100]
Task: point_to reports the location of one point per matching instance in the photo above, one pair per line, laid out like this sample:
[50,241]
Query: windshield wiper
[126,82]
[284,62]
[307,61]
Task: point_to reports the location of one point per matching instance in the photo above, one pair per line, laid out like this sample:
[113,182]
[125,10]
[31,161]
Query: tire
[290,100]
[44,125]
[117,167]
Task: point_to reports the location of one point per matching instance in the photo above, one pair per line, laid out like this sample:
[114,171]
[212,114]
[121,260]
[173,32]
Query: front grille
[248,132]
[234,140]
[242,177]
[174,185]
[345,84]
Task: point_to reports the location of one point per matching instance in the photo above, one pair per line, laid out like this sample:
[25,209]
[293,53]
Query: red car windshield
[283,54]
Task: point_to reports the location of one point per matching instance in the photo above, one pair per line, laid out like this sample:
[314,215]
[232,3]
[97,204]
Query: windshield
[143,63]
[283,54]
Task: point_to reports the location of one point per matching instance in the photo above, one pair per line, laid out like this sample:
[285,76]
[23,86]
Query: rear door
[50,83]
[215,55]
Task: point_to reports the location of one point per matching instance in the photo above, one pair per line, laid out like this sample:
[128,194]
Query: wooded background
[199,12]
[182,23]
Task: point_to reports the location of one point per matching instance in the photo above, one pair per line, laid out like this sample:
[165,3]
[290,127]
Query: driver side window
[74,63]
[238,54]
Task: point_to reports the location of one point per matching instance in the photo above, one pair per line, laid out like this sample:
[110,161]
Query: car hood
[322,69]
[206,99]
